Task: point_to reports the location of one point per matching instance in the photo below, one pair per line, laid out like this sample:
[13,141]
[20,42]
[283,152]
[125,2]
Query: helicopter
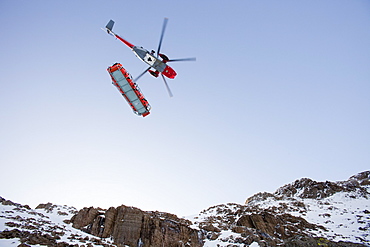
[157,62]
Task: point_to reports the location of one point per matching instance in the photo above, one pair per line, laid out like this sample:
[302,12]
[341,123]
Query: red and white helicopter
[158,62]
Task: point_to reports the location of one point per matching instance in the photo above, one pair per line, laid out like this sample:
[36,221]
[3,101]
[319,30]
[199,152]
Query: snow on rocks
[47,225]
[303,212]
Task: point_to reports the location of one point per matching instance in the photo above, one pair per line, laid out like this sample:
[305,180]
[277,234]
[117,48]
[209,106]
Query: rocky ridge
[134,227]
[302,213]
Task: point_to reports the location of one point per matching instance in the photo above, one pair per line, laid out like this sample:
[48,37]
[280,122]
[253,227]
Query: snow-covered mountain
[302,213]
[47,225]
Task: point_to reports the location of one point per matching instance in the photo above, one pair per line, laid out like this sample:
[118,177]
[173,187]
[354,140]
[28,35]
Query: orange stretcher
[129,89]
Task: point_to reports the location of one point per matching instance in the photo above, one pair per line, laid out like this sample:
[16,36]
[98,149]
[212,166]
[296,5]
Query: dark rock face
[32,238]
[310,189]
[84,217]
[134,227]
[307,188]
[251,224]
[279,226]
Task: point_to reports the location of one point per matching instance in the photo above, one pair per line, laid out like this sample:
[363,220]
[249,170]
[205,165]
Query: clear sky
[280,90]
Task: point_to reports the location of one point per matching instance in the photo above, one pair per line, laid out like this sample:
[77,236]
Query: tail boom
[109,28]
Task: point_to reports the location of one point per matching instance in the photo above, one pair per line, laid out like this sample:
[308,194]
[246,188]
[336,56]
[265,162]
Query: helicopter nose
[169,72]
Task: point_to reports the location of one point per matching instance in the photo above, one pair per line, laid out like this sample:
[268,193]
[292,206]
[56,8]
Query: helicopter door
[149,59]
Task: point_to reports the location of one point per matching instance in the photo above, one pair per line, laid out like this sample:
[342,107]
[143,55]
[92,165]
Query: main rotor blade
[161,38]
[137,78]
[168,88]
[183,59]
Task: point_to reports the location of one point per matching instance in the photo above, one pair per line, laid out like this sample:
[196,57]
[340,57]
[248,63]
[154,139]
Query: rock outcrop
[134,227]
[245,225]
[278,226]
[303,213]
[47,225]
[307,188]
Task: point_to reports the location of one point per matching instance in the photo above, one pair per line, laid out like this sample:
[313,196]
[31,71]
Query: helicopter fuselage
[148,58]
[157,64]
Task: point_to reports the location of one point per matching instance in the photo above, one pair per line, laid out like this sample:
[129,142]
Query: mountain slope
[302,213]
[47,225]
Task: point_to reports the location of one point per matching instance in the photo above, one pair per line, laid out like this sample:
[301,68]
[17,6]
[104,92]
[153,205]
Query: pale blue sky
[280,90]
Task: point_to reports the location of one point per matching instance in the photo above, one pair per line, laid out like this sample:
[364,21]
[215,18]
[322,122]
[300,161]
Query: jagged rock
[278,226]
[302,213]
[209,227]
[134,227]
[307,188]
[32,238]
[261,196]
[84,217]
[15,233]
[40,227]
[8,202]
[110,218]
[48,205]
[363,178]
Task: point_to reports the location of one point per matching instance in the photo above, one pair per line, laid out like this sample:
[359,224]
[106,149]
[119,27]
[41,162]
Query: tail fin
[109,26]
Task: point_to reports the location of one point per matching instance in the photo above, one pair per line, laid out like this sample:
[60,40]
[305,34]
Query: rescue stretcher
[129,89]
